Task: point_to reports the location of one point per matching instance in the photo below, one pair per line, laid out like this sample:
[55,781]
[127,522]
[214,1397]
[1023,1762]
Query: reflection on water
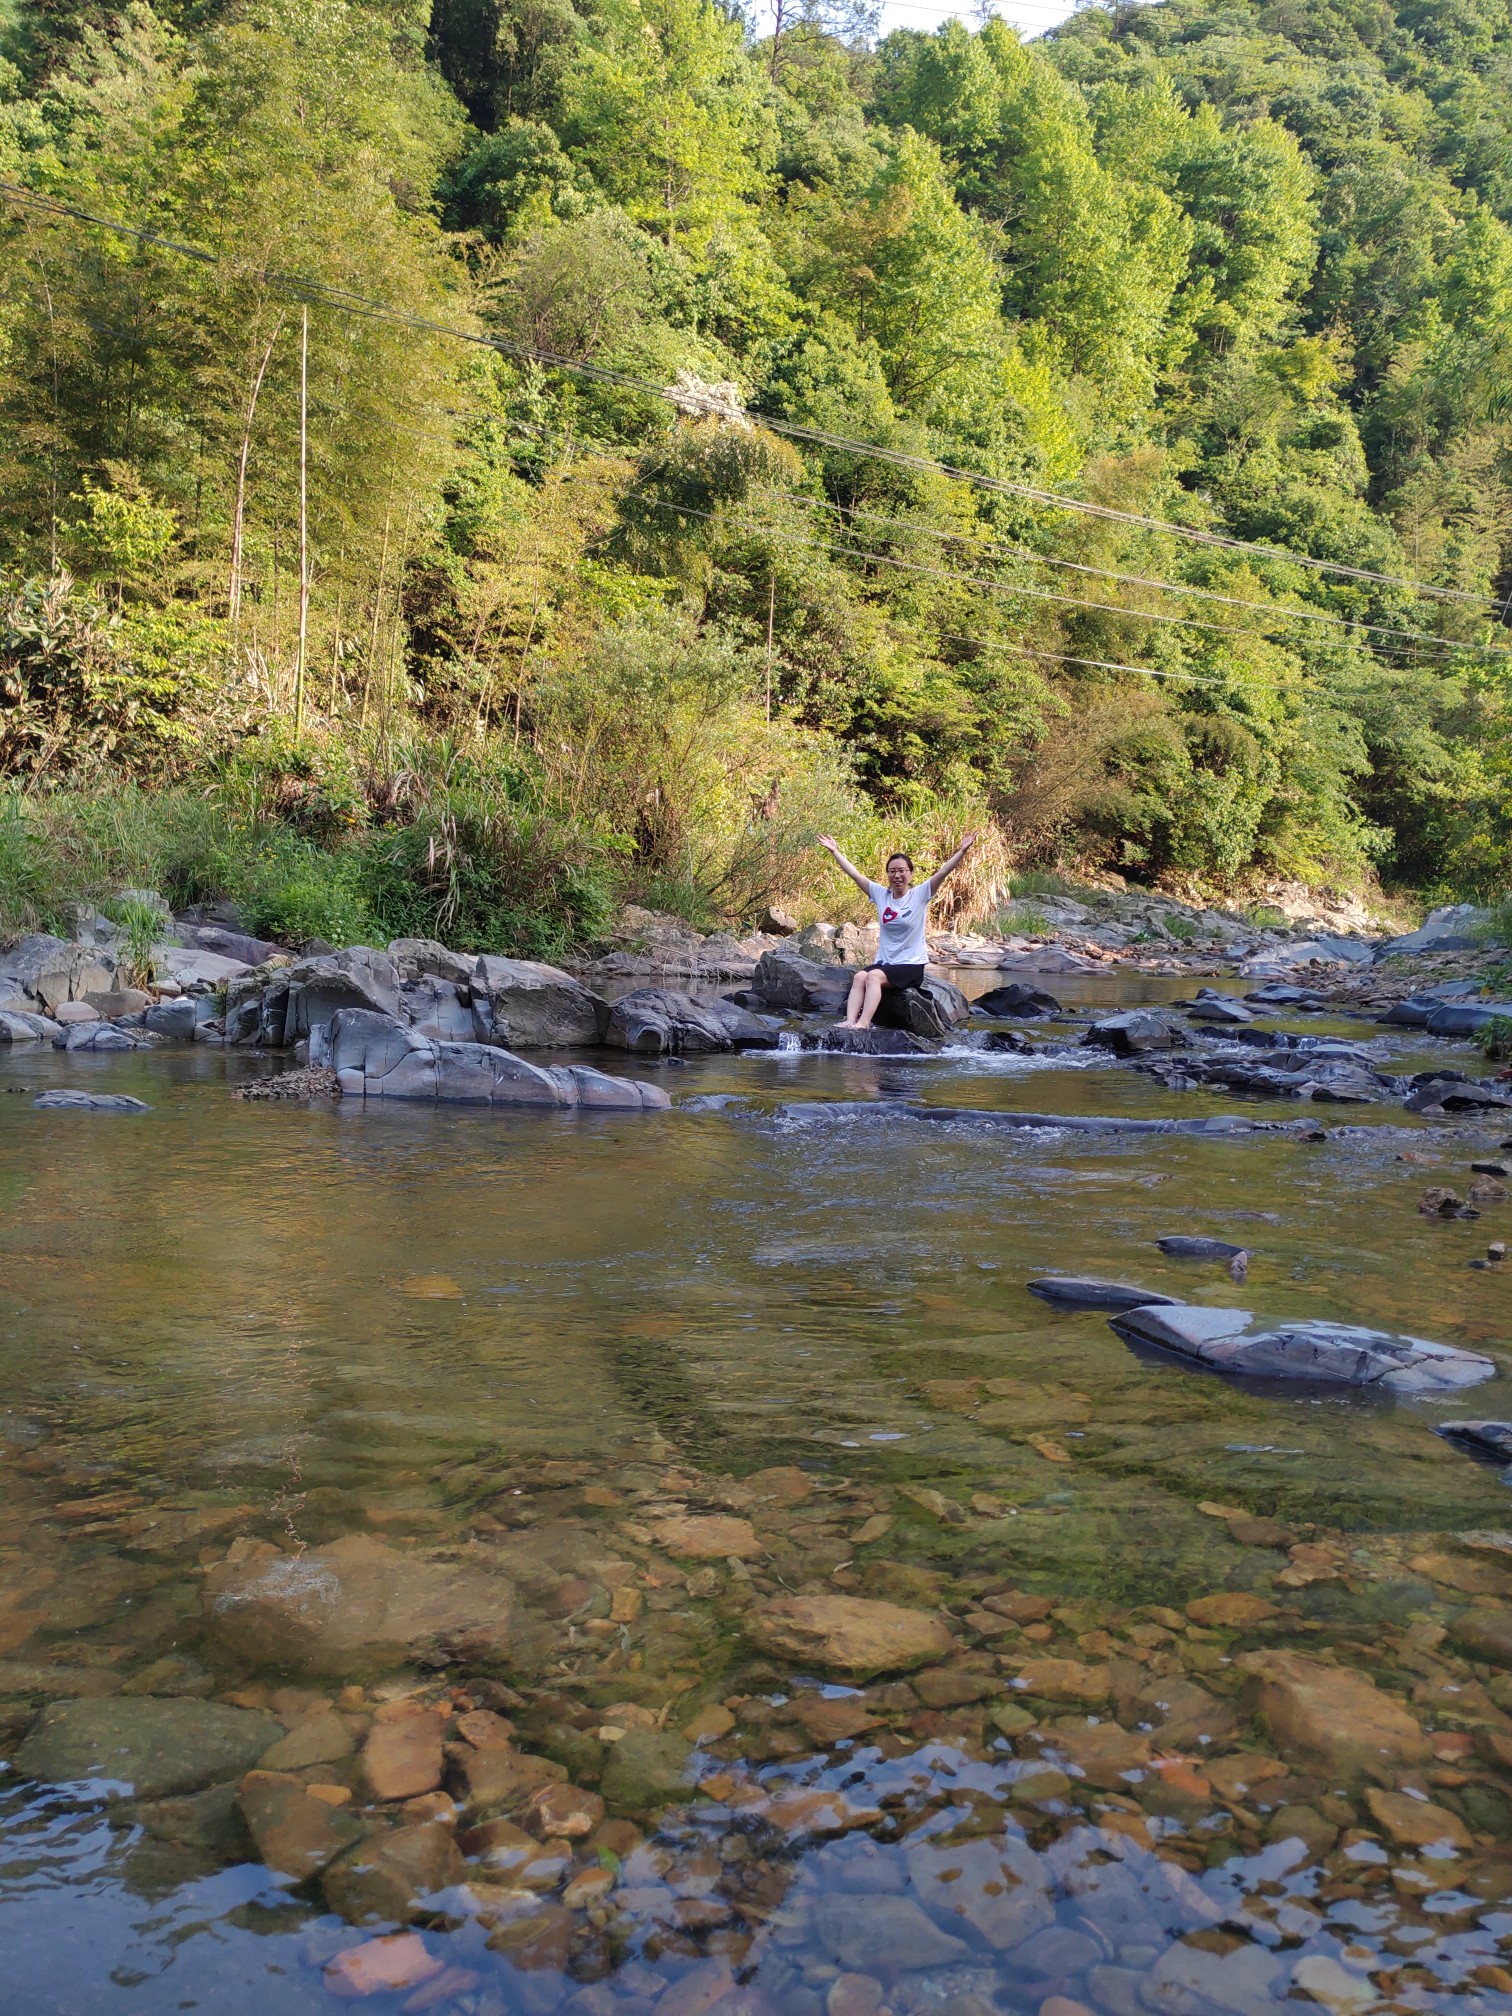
[610,1438]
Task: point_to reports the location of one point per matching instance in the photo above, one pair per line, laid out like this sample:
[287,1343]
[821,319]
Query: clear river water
[546,1341]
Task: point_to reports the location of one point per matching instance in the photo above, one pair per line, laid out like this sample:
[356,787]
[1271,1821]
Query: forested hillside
[513,635]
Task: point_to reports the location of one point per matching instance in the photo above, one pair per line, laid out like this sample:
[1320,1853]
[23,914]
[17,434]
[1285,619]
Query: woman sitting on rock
[902,909]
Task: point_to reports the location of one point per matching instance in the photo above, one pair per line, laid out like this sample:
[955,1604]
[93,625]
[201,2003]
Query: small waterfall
[789,1039]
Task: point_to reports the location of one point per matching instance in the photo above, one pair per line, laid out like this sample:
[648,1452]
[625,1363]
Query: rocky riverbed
[504,1558]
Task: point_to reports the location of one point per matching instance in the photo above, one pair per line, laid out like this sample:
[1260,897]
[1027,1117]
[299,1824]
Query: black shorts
[899,976]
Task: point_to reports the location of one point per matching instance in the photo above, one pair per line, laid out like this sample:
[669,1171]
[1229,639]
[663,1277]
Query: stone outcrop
[39,973]
[1231,1340]
[357,1607]
[1457,927]
[422,958]
[377,1057]
[522,1002]
[655,1022]
[438,1008]
[277,1007]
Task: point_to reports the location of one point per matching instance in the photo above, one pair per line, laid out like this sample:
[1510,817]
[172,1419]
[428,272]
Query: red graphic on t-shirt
[889,915]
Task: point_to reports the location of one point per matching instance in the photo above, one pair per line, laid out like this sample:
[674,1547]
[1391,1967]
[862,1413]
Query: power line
[355,303]
[1224,681]
[1273,611]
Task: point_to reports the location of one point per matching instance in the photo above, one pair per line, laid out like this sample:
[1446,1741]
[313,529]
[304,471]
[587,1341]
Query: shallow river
[548,1343]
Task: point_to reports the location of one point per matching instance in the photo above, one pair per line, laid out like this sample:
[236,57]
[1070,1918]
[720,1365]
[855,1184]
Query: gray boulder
[277,1007]
[179,1019]
[1214,1007]
[1017,998]
[930,1010]
[377,1057]
[1457,927]
[1453,1092]
[1465,1018]
[655,1022]
[1232,1340]
[1489,1441]
[416,957]
[97,1037]
[225,942]
[1134,1033]
[1080,1291]
[151,1747]
[438,1008]
[785,979]
[39,973]
[519,1002]
[19,1025]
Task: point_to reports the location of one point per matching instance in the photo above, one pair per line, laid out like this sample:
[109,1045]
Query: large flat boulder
[520,1002]
[873,1042]
[152,1748]
[378,1057]
[1232,1340]
[1466,1018]
[853,1635]
[1456,927]
[358,1607]
[277,1007]
[656,1022]
[39,973]
[415,958]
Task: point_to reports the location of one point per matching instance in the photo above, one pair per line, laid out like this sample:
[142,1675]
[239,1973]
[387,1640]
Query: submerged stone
[1231,1340]
[357,1606]
[853,1635]
[998,1886]
[152,1747]
[648,1769]
[1078,1291]
[66,1100]
[295,1833]
[1330,1715]
[389,1876]
[890,1934]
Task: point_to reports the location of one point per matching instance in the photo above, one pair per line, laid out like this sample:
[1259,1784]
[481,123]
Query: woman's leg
[853,1005]
[875,982]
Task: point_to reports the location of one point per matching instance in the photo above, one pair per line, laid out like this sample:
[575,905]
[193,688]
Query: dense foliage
[1237,268]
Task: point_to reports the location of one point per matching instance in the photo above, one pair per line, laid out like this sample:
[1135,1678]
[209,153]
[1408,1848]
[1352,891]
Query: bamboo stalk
[238,521]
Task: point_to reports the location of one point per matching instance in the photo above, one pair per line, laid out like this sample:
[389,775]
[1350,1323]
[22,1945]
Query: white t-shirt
[900,921]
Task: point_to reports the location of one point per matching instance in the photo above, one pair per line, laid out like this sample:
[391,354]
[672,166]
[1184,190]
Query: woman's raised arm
[845,866]
[949,867]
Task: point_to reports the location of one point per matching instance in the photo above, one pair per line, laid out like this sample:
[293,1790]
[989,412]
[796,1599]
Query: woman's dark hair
[900,856]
